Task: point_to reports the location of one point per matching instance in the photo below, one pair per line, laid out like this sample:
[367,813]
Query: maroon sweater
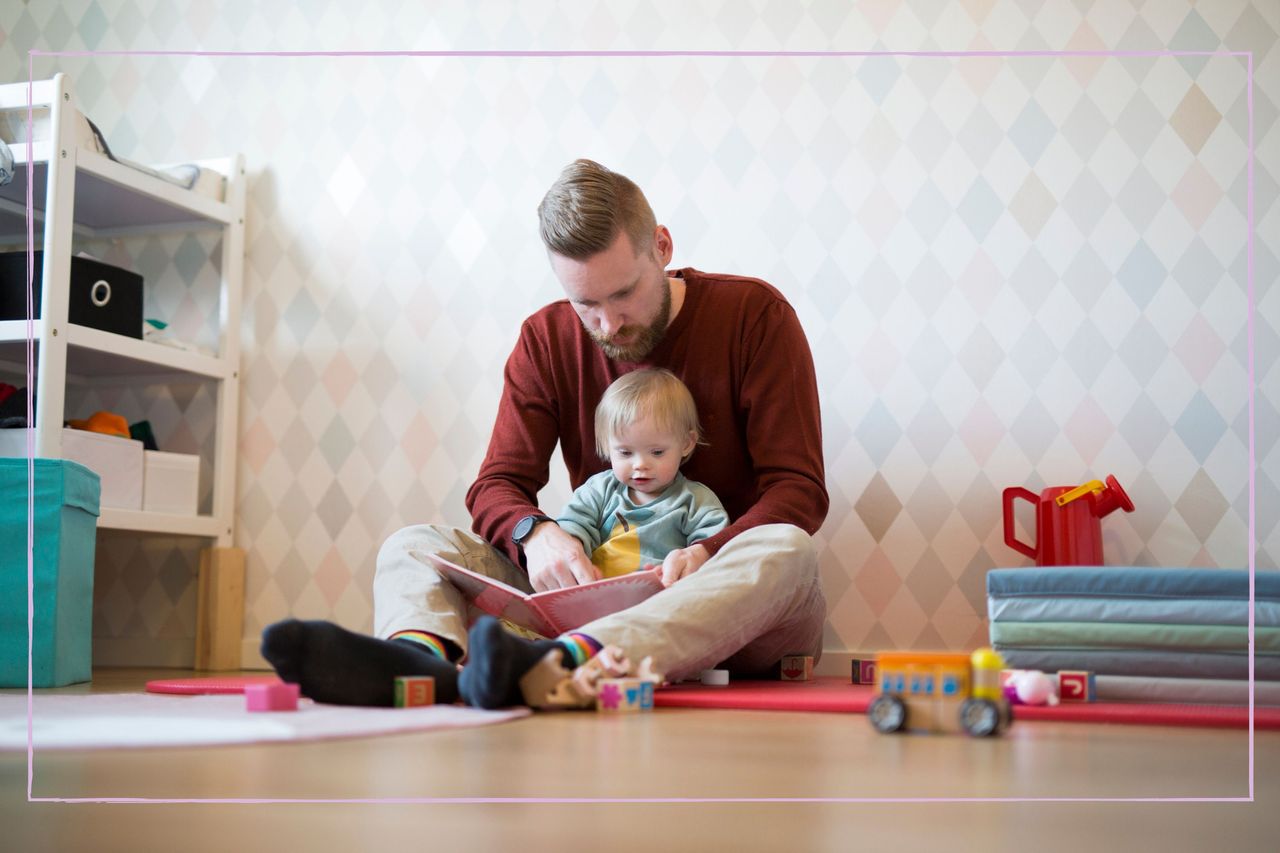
[739,347]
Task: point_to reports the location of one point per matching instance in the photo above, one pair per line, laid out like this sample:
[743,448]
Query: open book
[556,611]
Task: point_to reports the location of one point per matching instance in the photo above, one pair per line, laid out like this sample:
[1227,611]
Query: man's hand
[682,563]
[556,560]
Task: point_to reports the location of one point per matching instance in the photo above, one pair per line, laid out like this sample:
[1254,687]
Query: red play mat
[211,684]
[838,695]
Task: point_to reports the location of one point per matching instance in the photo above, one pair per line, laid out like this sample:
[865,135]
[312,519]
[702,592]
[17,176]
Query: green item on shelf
[141,431]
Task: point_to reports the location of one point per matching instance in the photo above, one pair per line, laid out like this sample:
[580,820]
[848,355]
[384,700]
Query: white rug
[121,720]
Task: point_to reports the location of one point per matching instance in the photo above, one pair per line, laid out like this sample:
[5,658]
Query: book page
[490,595]
[553,612]
[575,606]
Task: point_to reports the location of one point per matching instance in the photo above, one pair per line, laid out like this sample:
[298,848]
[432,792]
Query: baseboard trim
[144,651]
[250,656]
[839,663]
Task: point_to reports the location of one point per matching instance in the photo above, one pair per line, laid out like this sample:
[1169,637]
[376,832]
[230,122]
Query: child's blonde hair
[647,393]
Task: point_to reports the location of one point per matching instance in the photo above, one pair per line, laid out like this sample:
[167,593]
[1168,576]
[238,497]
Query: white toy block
[715,677]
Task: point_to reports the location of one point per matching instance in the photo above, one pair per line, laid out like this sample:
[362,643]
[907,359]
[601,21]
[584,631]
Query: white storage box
[171,482]
[118,461]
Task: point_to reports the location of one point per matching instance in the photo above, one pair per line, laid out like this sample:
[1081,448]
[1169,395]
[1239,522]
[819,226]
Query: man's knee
[792,540]
[785,540]
[788,550]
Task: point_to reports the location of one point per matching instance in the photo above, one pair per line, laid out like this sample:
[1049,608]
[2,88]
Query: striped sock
[433,643]
[582,647]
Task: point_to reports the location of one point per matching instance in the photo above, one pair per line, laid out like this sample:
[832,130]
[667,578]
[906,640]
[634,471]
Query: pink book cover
[554,612]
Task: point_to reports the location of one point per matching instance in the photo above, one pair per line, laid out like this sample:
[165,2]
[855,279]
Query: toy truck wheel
[980,717]
[1006,716]
[887,714]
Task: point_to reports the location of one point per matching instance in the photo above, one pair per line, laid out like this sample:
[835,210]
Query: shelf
[111,199]
[95,353]
[114,518]
[77,192]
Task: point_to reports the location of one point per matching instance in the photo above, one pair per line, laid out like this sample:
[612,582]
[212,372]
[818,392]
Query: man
[749,594]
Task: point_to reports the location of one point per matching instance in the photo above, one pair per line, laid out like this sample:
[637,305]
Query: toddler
[643,512]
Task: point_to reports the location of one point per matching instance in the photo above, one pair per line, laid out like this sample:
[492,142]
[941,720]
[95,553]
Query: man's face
[623,299]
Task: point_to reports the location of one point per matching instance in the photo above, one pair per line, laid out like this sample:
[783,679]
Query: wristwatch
[525,526]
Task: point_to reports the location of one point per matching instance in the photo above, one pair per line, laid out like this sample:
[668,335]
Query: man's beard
[644,338]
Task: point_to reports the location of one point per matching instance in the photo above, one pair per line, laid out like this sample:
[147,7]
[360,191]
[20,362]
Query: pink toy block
[624,695]
[1076,686]
[797,668]
[413,691]
[863,671]
[271,697]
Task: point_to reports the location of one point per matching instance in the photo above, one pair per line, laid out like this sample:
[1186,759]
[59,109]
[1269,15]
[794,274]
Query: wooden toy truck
[940,691]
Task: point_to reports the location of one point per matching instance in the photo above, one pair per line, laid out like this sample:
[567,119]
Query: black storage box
[102,296]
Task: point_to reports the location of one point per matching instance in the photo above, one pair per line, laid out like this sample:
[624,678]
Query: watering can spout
[1112,498]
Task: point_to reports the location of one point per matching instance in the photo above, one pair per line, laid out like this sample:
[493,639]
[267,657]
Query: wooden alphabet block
[624,695]
[413,691]
[797,668]
[1076,686]
[863,671]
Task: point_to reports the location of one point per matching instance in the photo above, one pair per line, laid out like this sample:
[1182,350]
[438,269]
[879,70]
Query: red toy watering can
[1068,521]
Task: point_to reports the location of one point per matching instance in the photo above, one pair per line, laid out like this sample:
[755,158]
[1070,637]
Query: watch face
[525,526]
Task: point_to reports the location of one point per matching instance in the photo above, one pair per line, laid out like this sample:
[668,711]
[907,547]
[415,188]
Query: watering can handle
[1010,538]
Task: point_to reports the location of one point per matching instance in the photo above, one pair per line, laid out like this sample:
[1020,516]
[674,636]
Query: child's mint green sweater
[620,536]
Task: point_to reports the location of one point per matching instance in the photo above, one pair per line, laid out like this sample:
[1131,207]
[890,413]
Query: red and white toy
[1029,687]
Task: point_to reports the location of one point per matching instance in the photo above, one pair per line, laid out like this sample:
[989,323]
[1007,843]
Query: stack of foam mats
[1148,635]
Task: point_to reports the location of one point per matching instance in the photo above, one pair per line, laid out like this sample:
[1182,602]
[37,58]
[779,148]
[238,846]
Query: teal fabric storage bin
[65,531]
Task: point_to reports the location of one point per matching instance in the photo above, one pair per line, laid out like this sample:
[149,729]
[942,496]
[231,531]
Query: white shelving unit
[78,191]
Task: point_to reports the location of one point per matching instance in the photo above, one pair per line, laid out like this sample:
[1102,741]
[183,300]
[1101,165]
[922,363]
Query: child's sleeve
[707,517]
[581,516]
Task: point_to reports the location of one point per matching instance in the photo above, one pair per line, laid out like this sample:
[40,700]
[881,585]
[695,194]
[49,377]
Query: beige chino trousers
[756,600]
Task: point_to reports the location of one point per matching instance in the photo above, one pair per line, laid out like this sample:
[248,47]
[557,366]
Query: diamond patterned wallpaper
[1012,270]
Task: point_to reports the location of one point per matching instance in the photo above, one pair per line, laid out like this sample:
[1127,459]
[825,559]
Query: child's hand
[682,563]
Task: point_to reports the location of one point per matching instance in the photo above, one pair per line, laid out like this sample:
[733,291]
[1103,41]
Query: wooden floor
[667,754]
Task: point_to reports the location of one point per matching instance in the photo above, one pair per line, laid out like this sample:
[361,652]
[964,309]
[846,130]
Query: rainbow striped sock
[433,643]
[582,647]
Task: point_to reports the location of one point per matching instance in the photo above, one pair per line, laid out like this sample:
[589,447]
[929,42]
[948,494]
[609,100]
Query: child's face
[647,459]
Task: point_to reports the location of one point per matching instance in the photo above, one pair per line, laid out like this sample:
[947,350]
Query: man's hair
[587,206]
[647,393]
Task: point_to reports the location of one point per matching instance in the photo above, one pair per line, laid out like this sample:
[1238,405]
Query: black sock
[339,667]
[496,660]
